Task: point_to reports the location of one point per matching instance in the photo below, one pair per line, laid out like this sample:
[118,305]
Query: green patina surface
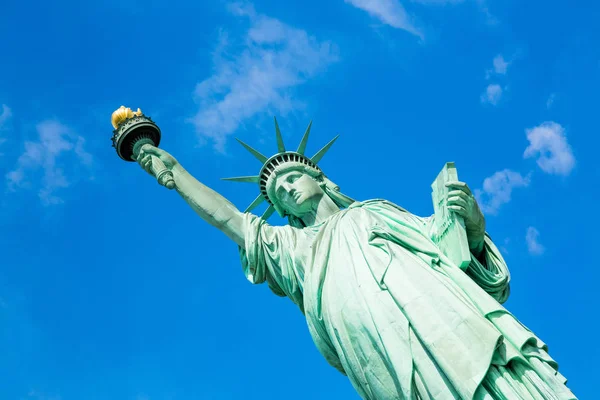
[407,307]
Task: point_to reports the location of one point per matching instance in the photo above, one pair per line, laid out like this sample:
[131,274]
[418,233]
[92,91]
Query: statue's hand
[145,158]
[463,203]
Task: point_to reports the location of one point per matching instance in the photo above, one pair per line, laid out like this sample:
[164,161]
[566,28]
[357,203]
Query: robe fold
[385,307]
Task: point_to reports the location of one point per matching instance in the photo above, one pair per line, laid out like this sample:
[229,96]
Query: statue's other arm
[487,267]
[462,202]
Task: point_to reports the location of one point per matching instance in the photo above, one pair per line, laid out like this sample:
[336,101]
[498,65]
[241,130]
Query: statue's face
[297,192]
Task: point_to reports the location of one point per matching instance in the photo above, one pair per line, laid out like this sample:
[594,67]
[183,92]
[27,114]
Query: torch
[134,131]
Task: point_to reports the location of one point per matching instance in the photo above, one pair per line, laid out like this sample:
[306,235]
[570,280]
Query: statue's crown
[280,161]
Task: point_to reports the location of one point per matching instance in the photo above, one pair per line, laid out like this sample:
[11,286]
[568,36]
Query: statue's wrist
[476,245]
[178,169]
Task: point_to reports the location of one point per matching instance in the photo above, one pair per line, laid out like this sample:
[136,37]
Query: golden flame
[121,114]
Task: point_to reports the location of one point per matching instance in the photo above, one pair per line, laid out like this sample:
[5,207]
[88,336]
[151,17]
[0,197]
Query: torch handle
[162,174]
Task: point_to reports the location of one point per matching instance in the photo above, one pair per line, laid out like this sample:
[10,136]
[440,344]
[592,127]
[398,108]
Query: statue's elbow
[230,222]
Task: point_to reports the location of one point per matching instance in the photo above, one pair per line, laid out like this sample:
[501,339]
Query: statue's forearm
[210,205]
[477,248]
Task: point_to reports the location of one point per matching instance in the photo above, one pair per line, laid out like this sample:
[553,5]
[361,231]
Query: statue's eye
[292,178]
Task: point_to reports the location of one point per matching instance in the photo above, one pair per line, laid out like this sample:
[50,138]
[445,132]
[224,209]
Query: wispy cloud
[484,8]
[548,145]
[389,12]
[438,2]
[533,245]
[497,190]
[504,246]
[37,395]
[551,100]
[492,94]
[257,76]
[4,117]
[500,65]
[43,165]
[394,14]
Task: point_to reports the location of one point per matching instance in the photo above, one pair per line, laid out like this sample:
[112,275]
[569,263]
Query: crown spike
[249,179]
[317,157]
[280,145]
[258,201]
[255,153]
[268,212]
[302,146]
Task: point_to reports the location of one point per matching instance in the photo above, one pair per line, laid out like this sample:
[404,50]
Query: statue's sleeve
[269,255]
[491,273]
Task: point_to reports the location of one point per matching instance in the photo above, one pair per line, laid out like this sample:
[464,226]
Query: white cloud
[389,12]
[533,245]
[258,76]
[548,144]
[497,189]
[500,65]
[494,91]
[550,101]
[37,395]
[504,246]
[43,164]
[5,115]
[483,7]
[492,94]
[438,2]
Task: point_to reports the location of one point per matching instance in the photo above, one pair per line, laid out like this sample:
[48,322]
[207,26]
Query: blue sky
[111,288]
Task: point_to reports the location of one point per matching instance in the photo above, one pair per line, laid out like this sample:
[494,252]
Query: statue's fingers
[151,150]
[459,193]
[460,186]
[459,210]
[143,152]
[148,165]
[457,201]
[140,157]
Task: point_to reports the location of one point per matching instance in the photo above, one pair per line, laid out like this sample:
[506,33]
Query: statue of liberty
[383,303]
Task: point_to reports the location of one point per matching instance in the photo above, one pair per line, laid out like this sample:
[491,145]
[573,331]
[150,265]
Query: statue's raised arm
[136,138]
[207,203]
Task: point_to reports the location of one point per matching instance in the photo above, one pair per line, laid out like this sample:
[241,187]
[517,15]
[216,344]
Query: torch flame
[121,114]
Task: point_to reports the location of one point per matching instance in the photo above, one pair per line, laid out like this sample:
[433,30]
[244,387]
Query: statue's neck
[323,209]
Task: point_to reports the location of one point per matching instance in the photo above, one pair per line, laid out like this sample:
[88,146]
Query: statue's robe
[387,309]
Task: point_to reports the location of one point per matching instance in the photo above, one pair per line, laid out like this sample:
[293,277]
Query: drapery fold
[386,308]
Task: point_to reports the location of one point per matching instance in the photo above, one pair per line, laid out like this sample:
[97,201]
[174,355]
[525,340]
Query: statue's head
[296,193]
[294,189]
[290,182]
